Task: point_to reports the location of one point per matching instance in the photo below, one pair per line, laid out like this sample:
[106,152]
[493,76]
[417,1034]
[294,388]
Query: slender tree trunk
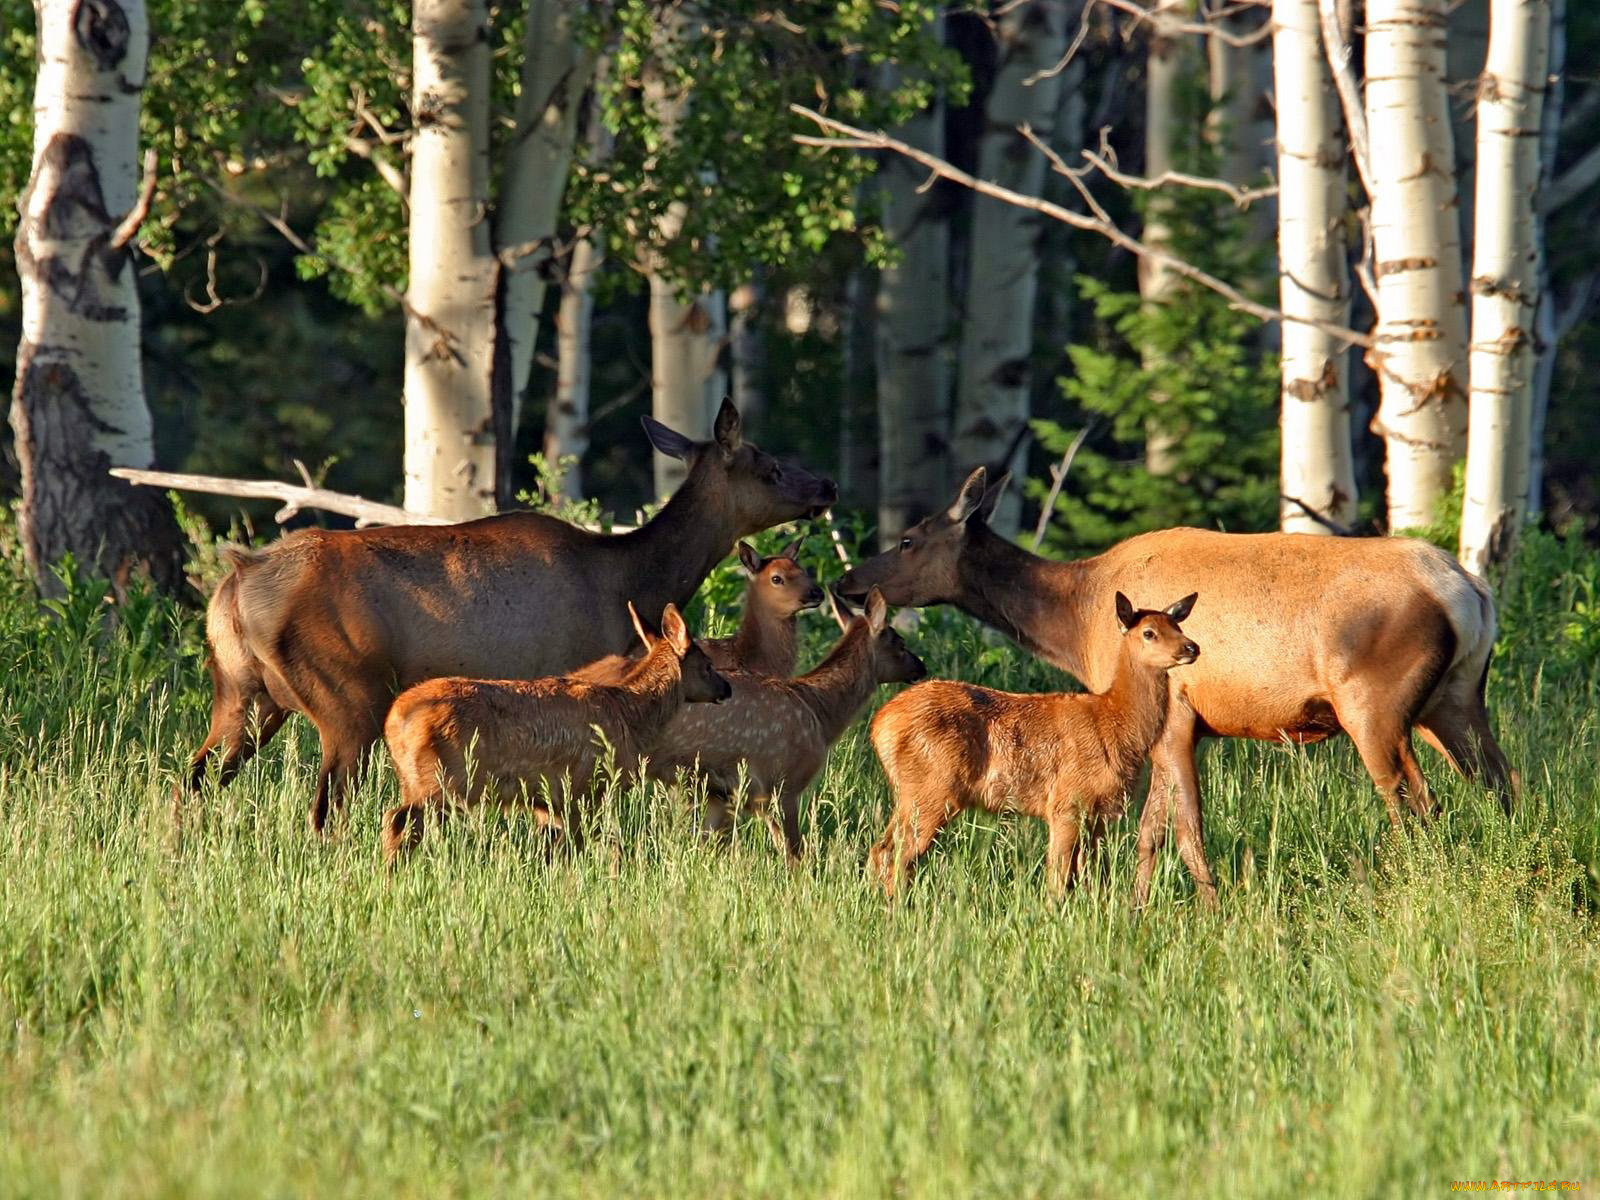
[1466,44]
[1313,277]
[1420,351]
[687,333]
[78,407]
[747,342]
[913,333]
[1240,126]
[994,382]
[1505,282]
[1169,59]
[858,428]
[450,311]
[1547,334]
[556,71]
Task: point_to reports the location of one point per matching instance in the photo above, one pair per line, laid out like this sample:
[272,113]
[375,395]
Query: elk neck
[1035,602]
[837,687]
[763,638]
[650,693]
[668,558]
[1136,703]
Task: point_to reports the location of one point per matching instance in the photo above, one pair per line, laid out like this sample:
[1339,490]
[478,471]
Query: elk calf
[453,738]
[778,591]
[1067,759]
[779,730]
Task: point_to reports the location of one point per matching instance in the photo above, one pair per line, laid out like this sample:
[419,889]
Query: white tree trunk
[78,407]
[913,332]
[566,430]
[556,70]
[1420,341]
[1547,333]
[1466,43]
[1170,57]
[1314,276]
[450,310]
[994,380]
[1505,282]
[1240,124]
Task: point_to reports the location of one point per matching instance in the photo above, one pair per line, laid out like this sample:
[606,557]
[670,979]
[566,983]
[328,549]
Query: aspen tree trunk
[1547,334]
[1466,44]
[994,380]
[1505,282]
[450,303]
[1168,60]
[687,333]
[1313,277]
[556,71]
[1240,125]
[566,428]
[1420,341]
[913,333]
[78,407]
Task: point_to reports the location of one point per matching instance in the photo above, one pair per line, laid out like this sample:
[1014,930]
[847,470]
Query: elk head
[781,585]
[701,683]
[892,659]
[1153,636]
[752,486]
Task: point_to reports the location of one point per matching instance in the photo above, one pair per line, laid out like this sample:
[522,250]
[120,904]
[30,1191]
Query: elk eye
[777,581]
[905,543]
[1149,635]
[777,474]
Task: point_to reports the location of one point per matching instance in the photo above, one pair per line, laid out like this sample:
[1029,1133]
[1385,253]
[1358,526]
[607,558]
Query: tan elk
[452,740]
[1305,637]
[335,624]
[1066,759]
[773,734]
[778,591]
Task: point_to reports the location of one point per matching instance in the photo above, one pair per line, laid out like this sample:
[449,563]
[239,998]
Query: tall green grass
[247,1011]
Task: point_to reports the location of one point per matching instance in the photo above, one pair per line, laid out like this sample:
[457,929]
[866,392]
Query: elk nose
[1191,651]
[828,489]
[814,597]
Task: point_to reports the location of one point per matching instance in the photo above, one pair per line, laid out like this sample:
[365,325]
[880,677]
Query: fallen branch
[293,497]
[1100,222]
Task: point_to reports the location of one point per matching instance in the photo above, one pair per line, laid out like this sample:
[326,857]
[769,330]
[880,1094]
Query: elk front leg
[1065,817]
[1173,765]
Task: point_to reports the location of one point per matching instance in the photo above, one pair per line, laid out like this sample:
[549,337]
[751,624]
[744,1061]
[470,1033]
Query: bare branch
[1100,222]
[294,498]
[1572,182]
[1142,15]
[1336,46]
[1072,51]
[128,227]
[1104,160]
[1327,523]
[1058,476]
[386,170]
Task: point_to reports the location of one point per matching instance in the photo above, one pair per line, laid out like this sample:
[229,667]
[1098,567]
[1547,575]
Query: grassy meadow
[249,1011]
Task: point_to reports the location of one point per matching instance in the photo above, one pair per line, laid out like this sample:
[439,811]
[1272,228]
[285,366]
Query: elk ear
[748,558]
[970,498]
[729,429]
[674,630]
[991,498]
[792,550]
[877,611]
[841,611]
[1127,618]
[667,440]
[1180,610]
[638,626]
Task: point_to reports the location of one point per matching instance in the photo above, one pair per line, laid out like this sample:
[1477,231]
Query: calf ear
[877,611]
[638,626]
[729,429]
[674,629]
[969,498]
[792,550]
[1127,618]
[667,440]
[840,610]
[1180,610]
[748,558]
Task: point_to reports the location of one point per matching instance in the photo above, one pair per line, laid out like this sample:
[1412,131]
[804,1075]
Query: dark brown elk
[334,625]
[1068,760]
[1305,637]
[778,591]
[774,733]
[453,740]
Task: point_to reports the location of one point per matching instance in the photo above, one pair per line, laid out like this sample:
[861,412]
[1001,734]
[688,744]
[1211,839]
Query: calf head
[1152,635]
[742,479]
[701,683]
[925,566]
[779,585]
[892,659]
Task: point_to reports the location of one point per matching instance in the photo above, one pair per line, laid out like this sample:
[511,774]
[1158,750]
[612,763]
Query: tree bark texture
[1313,277]
[913,334]
[1505,282]
[994,382]
[78,406]
[450,309]
[1420,341]
[556,72]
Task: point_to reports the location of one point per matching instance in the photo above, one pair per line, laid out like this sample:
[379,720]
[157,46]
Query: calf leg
[784,825]
[916,819]
[1153,820]
[1065,817]
[1175,782]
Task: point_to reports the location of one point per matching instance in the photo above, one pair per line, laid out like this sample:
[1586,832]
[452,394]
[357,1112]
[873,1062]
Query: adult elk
[1305,637]
[335,624]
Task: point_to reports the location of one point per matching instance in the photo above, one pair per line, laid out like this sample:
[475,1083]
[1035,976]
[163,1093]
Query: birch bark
[1313,276]
[1505,282]
[78,407]
[450,300]
[1420,341]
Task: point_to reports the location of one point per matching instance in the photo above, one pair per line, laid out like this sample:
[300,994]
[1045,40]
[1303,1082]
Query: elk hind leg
[1461,733]
[919,814]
